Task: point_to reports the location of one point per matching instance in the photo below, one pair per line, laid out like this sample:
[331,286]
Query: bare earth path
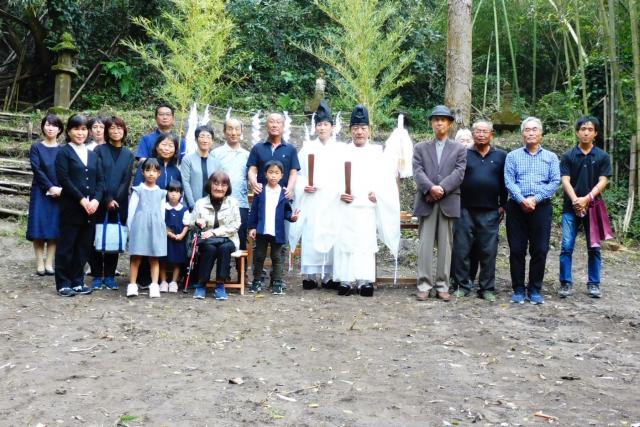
[311,358]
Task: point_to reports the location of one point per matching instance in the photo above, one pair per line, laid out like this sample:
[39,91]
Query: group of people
[336,199]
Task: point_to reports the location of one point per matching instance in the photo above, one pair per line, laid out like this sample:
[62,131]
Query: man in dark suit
[438,168]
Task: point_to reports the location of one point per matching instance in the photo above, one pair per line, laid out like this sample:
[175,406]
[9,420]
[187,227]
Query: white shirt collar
[168,207]
[277,189]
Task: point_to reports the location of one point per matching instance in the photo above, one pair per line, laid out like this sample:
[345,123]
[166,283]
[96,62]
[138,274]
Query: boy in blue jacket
[268,212]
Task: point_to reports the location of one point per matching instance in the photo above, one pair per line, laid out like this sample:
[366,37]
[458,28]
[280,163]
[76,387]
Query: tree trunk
[581,61]
[534,66]
[457,93]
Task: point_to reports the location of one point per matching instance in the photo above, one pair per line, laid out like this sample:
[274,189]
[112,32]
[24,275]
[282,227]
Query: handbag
[111,237]
[599,225]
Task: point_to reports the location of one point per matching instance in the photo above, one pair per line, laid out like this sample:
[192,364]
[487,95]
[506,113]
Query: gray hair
[463,133]
[228,123]
[531,119]
[279,117]
[482,121]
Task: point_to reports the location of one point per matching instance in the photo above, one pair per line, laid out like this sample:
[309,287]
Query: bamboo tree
[366,51]
[511,50]
[195,37]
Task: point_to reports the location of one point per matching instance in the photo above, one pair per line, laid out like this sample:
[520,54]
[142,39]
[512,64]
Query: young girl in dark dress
[174,217]
[82,185]
[44,207]
[116,162]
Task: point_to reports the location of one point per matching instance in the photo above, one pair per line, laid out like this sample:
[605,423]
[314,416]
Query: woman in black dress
[116,162]
[42,225]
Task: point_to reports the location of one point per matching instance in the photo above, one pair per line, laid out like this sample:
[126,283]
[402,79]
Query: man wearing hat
[317,186]
[438,169]
[368,206]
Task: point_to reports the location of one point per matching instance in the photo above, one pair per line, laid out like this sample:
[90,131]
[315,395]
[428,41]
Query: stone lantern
[64,70]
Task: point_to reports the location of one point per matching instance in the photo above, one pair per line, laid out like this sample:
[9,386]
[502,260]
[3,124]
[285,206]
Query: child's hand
[178,237]
[295,215]
[252,233]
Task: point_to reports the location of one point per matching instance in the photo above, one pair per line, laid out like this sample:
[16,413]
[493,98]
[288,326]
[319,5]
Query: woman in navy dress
[116,162]
[42,225]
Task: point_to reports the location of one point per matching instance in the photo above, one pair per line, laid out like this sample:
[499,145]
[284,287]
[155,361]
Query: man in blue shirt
[585,173]
[273,148]
[532,176]
[233,160]
[165,120]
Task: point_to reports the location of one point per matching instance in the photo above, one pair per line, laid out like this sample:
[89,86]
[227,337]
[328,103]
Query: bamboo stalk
[495,29]
[535,58]
[486,77]
[581,61]
[513,55]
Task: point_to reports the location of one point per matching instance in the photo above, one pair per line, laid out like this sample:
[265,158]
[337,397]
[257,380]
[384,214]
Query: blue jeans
[570,227]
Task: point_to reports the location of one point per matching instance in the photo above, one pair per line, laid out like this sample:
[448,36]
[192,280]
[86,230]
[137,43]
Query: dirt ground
[311,358]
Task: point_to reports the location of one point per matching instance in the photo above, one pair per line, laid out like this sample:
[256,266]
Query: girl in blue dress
[174,217]
[44,208]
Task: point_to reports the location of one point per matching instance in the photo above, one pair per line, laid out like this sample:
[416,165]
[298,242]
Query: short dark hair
[118,121]
[219,177]
[150,163]
[76,120]
[53,120]
[203,128]
[175,185]
[93,120]
[586,119]
[164,105]
[275,163]
[171,137]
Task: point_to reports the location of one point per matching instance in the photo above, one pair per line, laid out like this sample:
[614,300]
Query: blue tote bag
[111,237]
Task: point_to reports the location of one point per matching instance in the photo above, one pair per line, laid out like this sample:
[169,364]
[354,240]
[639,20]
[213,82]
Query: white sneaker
[154,290]
[173,287]
[164,286]
[132,290]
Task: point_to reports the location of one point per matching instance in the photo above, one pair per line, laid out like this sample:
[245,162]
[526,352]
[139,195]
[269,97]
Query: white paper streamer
[287,126]
[205,116]
[192,124]
[255,128]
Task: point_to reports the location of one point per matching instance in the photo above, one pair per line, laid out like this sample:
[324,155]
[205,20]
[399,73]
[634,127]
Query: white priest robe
[362,222]
[317,231]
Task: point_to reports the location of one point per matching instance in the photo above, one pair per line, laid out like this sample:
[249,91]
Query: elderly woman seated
[217,218]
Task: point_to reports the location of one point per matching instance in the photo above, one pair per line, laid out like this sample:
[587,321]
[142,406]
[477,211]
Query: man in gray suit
[438,168]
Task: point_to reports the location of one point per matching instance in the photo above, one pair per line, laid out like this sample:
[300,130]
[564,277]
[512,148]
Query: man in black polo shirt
[585,171]
[483,197]
[273,148]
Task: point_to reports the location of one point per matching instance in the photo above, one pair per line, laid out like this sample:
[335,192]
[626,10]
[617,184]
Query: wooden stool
[241,262]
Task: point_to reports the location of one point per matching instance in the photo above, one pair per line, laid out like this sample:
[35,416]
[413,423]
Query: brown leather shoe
[422,296]
[444,296]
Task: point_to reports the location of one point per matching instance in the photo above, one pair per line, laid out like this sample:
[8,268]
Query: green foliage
[122,73]
[194,37]
[368,58]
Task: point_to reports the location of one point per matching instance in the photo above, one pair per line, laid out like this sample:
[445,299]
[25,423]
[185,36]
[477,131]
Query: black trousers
[532,230]
[242,231]
[475,238]
[103,264]
[260,254]
[210,253]
[72,252]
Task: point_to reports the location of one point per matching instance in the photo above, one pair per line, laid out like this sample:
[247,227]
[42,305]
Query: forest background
[556,59]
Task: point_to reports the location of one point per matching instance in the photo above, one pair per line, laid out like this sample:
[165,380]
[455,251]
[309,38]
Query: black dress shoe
[344,290]
[366,290]
[309,284]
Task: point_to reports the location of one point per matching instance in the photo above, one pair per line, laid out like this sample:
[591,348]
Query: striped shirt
[527,174]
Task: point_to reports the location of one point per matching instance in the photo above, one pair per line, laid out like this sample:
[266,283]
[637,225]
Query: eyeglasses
[482,131]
